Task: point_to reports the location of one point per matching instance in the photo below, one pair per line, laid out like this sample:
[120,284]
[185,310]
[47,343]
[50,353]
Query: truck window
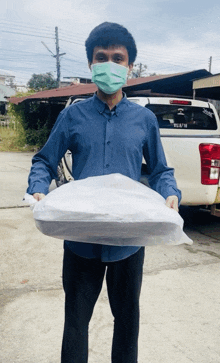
[184,117]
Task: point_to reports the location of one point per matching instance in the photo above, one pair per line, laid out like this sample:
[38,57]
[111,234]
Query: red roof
[82,89]
[136,81]
[86,89]
[74,90]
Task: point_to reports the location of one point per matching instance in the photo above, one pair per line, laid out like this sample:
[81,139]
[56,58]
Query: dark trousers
[82,282]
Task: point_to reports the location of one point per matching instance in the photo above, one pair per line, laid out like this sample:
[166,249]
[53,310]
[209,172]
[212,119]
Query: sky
[172,36]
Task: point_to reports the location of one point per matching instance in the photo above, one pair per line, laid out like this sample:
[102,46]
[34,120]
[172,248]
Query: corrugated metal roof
[6,91]
[132,84]
[74,90]
[207,82]
[208,87]
[177,84]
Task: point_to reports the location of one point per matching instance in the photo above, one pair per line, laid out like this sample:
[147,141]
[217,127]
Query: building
[68,81]
[5,93]
[170,84]
[6,78]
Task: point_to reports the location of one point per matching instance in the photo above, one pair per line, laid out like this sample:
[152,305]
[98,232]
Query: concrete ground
[180,300]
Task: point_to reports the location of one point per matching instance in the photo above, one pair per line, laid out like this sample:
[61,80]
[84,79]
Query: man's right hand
[38,196]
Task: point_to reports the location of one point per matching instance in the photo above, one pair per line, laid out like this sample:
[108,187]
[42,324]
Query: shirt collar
[101,106]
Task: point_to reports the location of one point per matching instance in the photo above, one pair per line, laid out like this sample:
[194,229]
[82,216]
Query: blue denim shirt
[104,142]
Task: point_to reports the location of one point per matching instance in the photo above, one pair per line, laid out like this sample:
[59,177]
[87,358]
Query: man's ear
[130,67]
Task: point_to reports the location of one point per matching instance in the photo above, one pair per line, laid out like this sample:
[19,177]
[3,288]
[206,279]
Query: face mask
[109,76]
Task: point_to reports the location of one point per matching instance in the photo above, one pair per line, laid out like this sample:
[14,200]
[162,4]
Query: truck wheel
[61,176]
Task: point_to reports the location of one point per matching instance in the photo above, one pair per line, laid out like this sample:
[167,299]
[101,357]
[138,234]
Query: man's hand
[38,196]
[172,202]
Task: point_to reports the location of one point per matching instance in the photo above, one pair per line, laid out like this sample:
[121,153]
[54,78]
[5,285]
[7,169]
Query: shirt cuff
[38,188]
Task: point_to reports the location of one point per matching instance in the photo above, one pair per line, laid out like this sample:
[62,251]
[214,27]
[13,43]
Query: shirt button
[109,120]
[107,165]
[108,142]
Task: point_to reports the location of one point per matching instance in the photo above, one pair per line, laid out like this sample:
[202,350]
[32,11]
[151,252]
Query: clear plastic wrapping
[111,209]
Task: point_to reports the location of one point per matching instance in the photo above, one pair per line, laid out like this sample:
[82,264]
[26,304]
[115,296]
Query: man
[106,134]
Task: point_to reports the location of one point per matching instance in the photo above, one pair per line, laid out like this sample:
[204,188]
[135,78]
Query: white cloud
[174,55]
[171,35]
[78,15]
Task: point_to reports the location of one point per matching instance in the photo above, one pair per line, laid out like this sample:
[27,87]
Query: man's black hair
[110,34]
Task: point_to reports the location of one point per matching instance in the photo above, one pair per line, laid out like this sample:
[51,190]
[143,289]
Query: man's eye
[118,59]
[100,58]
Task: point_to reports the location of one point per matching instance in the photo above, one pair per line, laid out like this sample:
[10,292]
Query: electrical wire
[142,53]
[156,54]
[30,31]
[27,25]
[41,36]
[30,35]
[165,63]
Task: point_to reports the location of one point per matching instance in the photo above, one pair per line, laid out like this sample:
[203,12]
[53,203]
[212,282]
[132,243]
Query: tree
[40,82]
[10,82]
[139,70]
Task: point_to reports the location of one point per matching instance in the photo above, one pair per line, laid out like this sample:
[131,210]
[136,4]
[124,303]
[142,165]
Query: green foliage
[17,115]
[10,140]
[33,120]
[31,127]
[23,94]
[40,82]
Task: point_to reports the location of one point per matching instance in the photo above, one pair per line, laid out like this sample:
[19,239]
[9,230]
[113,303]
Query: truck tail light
[210,163]
[180,102]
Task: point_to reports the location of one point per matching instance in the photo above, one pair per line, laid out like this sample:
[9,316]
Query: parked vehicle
[190,134]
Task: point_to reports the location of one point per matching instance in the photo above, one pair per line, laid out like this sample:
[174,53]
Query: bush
[16,114]
[34,121]
[32,127]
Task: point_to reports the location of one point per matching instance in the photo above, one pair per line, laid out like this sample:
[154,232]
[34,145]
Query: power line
[69,37]
[157,54]
[29,30]
[26,25]
[164,63]
[141,53]
[152,63]
[168,59]
[31,35]
[39,32]
[21,51]
[148,54]
[41,36]
[29,54]
[69,41]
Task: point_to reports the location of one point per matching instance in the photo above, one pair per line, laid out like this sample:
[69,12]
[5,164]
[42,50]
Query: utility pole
[140,70]
[57,55]
[210,64]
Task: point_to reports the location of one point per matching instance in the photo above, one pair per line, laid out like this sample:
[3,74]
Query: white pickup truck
[190,134]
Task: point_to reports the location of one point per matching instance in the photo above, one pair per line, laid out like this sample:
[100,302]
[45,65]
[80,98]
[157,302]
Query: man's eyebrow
[100,52]
[119,54]
[103,52]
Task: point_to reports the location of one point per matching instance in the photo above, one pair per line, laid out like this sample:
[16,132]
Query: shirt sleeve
[45,162]
[160,176]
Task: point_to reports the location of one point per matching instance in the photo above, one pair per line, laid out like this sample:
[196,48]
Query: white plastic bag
[111,209]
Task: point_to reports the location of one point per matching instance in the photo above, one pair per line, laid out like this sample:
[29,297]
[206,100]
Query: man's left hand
[172,202]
